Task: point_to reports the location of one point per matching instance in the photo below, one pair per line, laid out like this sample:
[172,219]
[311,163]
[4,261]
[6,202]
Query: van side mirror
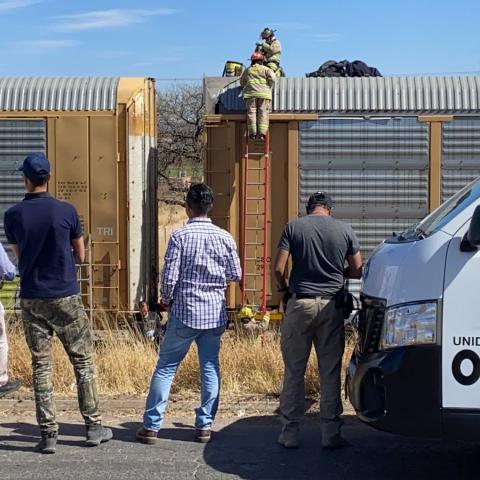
[471,240]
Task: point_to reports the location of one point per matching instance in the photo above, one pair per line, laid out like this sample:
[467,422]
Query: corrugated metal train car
[388,149]
[100,136]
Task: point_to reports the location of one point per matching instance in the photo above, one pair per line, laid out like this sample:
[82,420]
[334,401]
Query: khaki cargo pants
[258,111]
[275,67]
[65,317]
[320,323]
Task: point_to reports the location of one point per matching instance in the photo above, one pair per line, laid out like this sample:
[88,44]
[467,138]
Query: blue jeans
[175,346]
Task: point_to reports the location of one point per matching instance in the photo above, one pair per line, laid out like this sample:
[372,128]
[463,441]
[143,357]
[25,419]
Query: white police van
[416,368]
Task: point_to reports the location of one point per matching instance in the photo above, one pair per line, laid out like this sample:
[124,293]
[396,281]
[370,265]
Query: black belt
[303,296]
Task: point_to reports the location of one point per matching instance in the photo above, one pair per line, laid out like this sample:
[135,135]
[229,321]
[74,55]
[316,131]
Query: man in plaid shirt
[200,259]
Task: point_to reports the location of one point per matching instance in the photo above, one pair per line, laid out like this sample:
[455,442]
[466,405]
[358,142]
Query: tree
[180,130]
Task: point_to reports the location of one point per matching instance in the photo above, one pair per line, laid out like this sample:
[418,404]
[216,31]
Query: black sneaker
[10,387]
[97,434]
[334,442]
[252,136]
[48,443]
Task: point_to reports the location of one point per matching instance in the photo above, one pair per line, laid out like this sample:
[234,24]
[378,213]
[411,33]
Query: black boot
[10,387]
[48,442]
[97,434]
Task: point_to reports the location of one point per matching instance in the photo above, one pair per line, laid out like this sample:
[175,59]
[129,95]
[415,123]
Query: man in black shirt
[319,246]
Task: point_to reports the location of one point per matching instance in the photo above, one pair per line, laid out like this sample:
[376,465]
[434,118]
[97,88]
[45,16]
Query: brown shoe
[146,436]
[203,436]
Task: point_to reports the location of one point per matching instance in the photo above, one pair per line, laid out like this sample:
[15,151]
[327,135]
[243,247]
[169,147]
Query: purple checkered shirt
[200,259]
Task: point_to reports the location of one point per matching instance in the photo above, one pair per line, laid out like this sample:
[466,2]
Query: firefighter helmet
[257,57]
[246,313]
[266,33]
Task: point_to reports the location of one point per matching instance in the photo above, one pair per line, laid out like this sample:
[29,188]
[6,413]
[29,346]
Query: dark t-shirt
[43,229]
[319,246]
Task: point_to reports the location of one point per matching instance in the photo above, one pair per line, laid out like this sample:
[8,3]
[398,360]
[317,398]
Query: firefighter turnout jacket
[257,81]
[272,51]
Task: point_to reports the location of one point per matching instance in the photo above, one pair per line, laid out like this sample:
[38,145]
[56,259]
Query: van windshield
[450,209]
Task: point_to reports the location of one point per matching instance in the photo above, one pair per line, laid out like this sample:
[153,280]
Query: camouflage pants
[258,110]
[65,317]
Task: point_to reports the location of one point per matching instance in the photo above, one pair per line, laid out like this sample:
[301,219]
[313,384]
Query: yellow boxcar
[100,137]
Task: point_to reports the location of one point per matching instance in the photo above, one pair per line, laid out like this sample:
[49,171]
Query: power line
[178,79]
[403,74]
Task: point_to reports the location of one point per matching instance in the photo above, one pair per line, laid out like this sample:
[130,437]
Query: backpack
[332,68]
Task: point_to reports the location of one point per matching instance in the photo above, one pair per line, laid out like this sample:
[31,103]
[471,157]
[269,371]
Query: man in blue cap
[47,238]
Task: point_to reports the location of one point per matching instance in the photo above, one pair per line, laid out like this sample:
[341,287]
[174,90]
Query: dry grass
[125,363]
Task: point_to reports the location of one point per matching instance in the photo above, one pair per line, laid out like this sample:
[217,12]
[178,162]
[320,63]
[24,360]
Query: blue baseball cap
[36,166]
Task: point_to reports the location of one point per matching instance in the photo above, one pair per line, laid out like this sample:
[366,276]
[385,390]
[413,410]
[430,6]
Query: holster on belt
[344,300]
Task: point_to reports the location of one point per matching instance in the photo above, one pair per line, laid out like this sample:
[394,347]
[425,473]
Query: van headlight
[412,324]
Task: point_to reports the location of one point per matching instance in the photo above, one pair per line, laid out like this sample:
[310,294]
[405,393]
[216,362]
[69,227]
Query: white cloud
[327,37]
[46,44]
[117,17]
[8,5]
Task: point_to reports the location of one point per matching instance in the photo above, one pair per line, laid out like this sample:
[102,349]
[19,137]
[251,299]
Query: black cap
[320,198]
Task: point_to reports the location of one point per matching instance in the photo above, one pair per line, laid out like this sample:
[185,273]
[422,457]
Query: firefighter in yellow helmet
[270,47]
[257,81]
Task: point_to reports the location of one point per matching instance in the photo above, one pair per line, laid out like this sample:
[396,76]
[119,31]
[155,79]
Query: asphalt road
[243,448]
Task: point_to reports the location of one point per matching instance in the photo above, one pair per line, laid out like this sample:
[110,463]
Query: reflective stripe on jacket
[257,82]
[272,51]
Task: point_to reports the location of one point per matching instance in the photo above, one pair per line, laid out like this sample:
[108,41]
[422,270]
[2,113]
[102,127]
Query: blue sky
[189,39]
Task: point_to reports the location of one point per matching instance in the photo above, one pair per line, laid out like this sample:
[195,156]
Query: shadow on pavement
[125,432]
[30,434]
[247,448]
[181,432]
